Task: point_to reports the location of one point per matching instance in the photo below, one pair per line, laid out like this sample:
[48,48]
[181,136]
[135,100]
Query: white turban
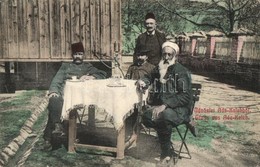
[172,45]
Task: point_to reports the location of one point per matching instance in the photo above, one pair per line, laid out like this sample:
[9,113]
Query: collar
[151,33]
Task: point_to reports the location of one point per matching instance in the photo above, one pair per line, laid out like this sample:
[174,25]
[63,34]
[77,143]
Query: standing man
[141,67]
[83,71]
[151,40]
[172,103]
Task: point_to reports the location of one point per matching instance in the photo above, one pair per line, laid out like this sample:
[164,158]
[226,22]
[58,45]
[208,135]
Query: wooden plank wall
[43,30]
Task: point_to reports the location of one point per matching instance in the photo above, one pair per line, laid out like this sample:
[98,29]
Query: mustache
[77,60]
[140,61]
[166,62]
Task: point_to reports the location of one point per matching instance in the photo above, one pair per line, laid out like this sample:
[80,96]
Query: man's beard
[163,67]
[139,62]
[169,62]
[77,61]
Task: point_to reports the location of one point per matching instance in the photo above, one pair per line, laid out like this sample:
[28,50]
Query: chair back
[196,89]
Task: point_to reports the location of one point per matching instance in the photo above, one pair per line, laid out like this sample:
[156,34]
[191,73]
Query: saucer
[76,80]
[116,85]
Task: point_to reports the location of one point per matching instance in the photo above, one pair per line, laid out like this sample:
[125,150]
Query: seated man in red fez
[83,71]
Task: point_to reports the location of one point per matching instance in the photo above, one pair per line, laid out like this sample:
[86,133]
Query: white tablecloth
[117,101]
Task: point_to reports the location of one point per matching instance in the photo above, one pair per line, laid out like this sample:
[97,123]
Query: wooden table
[118,102]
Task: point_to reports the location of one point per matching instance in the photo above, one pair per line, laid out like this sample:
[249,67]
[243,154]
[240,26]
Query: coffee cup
[74,78]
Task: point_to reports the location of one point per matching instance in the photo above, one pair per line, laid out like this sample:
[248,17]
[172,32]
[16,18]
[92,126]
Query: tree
[223,15]
[176,16]
[133,14]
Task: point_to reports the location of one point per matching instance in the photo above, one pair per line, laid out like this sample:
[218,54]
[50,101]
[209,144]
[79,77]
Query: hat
[149,16]
[143,52]
[172,45]
[77,47]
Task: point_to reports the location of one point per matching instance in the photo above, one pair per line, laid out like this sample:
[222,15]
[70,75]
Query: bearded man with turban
[172,97]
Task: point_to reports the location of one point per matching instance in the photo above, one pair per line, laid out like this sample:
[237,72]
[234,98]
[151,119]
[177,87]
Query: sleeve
[57,83]
[150,77]
[98,74]
[163,37]
[183,95]
[137,46]
[128,74]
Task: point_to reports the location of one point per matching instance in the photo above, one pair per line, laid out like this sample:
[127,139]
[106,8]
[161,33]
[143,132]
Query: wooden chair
[189,124]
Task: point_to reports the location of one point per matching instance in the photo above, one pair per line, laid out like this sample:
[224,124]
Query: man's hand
[53,94]
[87,77]
[140,85]
[157,110]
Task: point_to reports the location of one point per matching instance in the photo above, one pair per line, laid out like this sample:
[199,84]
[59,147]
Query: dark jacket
[141,44]
[136,72]
[176,93]
[67,70]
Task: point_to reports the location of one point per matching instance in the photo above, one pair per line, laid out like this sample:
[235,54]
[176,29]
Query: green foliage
[14,114]
[40,121]
[207,131]
[10,125]
[167,22]
[175,17]
[22,100]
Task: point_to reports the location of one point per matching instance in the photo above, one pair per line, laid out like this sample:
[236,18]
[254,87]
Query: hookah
[117,73]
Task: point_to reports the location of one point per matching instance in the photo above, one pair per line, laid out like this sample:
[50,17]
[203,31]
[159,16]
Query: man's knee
[164,126]
[147,119]
[55,100]
[55,103]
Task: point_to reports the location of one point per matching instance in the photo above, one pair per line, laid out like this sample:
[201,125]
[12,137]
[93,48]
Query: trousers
[163,127]
[54,109]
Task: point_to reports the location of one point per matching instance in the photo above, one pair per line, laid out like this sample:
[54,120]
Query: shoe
[165,162]
[192,129]
[58,129]
[47,145]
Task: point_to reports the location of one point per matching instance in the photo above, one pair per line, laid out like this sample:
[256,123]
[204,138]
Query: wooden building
[36,34]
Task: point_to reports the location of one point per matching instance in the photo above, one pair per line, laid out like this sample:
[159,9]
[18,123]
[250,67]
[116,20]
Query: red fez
[149,16]
[77,47]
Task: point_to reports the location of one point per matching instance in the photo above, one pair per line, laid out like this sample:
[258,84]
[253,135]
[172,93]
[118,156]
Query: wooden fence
[43,30]
[224,48]
[251,50]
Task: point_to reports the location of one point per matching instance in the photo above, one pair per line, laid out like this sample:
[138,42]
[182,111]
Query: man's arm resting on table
[53,94]
[87,77]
